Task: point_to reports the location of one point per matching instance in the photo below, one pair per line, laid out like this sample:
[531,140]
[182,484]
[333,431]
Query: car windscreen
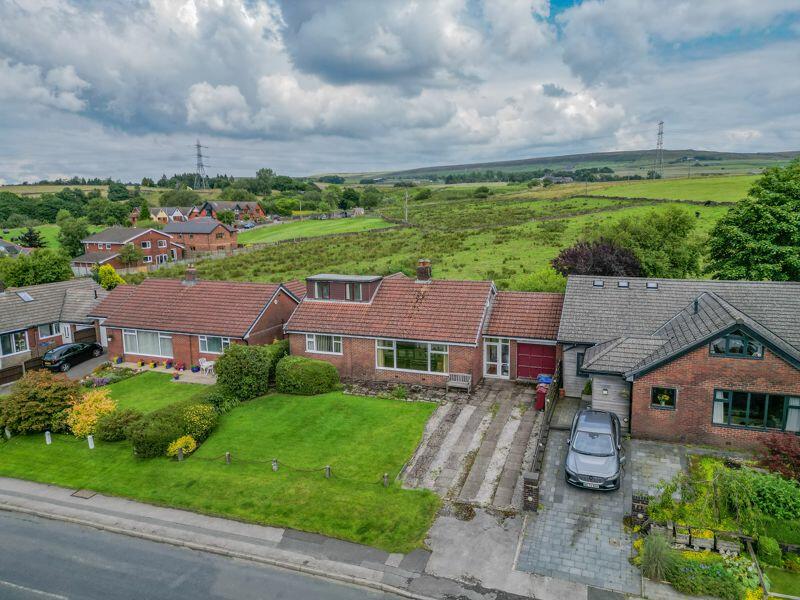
[596,444]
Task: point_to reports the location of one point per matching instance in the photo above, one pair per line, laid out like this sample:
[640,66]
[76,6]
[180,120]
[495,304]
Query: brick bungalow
[709,362]
[203,234]
[163,319]
[424,331]
[241,210]
[35,318]
[104,247]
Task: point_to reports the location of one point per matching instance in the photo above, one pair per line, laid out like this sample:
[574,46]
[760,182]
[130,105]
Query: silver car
[594,453]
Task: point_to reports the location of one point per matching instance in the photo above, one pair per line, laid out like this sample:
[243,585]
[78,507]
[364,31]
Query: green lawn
[719,189]
[361,438]
[310,228]
[49,233]
[148,391]
[783,582]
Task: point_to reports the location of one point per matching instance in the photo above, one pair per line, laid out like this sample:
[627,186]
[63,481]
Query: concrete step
[504,492]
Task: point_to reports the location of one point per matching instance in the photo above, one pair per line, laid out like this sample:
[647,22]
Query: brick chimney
[424,270]
[190,278]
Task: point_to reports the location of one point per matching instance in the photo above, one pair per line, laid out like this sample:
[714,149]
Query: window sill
[440,373]
[325,353]
[14,353]
[657,407]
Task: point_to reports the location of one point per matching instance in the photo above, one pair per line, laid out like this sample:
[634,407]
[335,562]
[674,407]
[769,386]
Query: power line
[200,178]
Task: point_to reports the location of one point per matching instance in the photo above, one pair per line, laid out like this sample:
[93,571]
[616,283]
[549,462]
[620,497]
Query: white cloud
[221,108]
[24,84]
[519,27]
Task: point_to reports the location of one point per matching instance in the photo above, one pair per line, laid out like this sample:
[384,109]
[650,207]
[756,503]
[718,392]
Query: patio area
[186,376]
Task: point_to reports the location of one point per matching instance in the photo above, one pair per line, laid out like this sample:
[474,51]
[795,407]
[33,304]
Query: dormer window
[353,291]
[322,289]
[737,344]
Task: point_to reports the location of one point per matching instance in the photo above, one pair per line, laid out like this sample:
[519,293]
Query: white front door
[496,358]
[66,333]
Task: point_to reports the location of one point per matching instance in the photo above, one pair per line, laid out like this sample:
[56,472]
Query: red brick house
[203,234]
[242,211]
[182,321]
[104,248]
[423,331]
[709,362]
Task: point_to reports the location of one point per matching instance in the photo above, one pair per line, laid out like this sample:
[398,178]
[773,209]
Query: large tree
[598,257]
[130,255]
[40,266]
[32,238]
[759,237]
[179,198]
[71,234]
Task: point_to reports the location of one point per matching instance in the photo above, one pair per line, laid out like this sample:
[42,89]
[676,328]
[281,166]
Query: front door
[496,358]
[66,333]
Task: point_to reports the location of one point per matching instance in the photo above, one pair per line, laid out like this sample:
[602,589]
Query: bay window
[324,344]
[412,356]
[755,410]
[13,343]
[147,343]
[214,344]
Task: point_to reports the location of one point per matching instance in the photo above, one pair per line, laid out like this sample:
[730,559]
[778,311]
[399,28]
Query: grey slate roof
[620,354]
[198,225]
[94,257]
[66,301]
[116,235]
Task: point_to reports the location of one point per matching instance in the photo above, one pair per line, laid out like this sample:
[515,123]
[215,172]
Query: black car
[594,456]
[63,358]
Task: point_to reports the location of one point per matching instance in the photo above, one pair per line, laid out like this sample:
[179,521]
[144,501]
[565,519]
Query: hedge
[246,371]
[152,435]
[112,427]
[38,402]
[305,376]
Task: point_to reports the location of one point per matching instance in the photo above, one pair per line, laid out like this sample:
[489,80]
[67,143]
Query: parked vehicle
[594,456]
[248,225]
[63,358]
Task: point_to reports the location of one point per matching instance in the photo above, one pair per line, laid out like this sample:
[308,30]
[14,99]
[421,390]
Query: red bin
[541,394]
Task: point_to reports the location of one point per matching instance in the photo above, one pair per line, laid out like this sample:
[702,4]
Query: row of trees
[19,211]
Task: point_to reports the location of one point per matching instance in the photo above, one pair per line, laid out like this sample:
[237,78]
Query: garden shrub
[152,435]
[186,442]
[246,371]
[112,427]
[657,557]
[220,397]
[781,454]
[705,574]
[83,417]
[199,420]
[305,376]
[769,552]
[40,401]
[791,562]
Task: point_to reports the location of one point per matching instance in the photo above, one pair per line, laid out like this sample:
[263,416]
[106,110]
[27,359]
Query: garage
[534,359]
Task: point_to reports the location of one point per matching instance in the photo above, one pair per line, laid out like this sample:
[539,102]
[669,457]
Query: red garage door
[533,359]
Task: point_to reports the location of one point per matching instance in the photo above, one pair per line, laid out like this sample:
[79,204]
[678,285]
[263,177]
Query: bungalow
[35,318]
[203,234]
[104,248]
[424,331]
[241,210]
[163,214]
[183,321]
[711,362]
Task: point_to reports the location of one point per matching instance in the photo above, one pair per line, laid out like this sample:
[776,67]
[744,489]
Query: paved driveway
[578,534]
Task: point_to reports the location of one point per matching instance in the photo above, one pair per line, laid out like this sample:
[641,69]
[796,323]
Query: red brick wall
[153,251]
[357,362]
[270,326]
[208,242]
[185,349]
[696,375]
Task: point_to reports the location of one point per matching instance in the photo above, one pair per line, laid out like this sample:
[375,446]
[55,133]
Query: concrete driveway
[81,370]
[578,534]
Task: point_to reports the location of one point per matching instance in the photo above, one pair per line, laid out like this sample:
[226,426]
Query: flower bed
[106,374]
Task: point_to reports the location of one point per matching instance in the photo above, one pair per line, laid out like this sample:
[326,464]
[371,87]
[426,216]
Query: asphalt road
[42,559]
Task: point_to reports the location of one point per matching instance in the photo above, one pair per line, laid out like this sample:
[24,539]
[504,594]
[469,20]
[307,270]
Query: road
[50,560]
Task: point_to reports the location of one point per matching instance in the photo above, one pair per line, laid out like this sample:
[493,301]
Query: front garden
[705,522]
[360,439]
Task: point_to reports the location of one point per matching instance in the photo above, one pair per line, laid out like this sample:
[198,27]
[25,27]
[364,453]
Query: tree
[285,206]
[423,194]
[599,257]
[129,255]
[179,198]
[663,241]
[350,198]
[226,216]
[38,402]
[118,191]
[100,211]
[543,280]
[40,266]
[31,238]
[332,195]
[62,216]
[71,234]
[759,237]
[370,197]
[147,182]
[108,277]
[238,195]
[144,210]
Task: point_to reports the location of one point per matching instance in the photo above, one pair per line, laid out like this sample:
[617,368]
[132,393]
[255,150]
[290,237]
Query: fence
[11,374]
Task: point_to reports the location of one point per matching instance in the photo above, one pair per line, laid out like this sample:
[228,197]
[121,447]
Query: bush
[705,575]
[186,442]
[221,398]
[305,376]
[152,435]
[199,420]
[112,426]
[781,454]
[83,417]
[246,371]
[38,402]
[657,557]
[769,552]
[587,388]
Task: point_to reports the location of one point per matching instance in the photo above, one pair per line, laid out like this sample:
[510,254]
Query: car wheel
[65,367]
[96,352]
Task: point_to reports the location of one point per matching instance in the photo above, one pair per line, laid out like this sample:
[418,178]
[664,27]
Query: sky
[125,88]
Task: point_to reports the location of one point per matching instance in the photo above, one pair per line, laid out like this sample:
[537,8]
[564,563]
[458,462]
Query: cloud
[519,27]
[58,88]
[221,108]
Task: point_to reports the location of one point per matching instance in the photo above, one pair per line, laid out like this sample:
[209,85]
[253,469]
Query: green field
[149,391]
[307,229]
[783,581]
[360,438]
[49,233]
[718,189]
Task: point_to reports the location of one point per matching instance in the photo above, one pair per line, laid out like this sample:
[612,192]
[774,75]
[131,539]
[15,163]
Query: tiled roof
[68,301]
[439,310]
[618,355]
[94,257]
[225,308]
[297,287]
[531,315]
[198,225]
[116,235]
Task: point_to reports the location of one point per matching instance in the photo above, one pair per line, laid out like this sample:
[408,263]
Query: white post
[7,433]
[48,439]
[274,464]
[90,439]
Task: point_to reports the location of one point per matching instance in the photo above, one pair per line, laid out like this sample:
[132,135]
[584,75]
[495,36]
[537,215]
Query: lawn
[149,391]
[783,581]
[719,189]
[49,233]
[361,438]
[310,228]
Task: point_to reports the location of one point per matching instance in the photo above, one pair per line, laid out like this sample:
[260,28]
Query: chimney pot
[424,269]
[191,275]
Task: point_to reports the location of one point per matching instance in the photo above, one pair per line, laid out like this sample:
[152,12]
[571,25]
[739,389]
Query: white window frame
[146,244]
[108,246]
[135,332]
[351,295]
[203,341]
[162,258]
[147,259]
[386,344]
[311,343]
[317,287]
[13,333]
[53,326]
[162,243]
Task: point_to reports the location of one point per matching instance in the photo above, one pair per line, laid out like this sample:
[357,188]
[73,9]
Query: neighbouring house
[709,362]
[425,331]
[35,318]
[163,214]
[104,247]
[183,321]
[242,211]
[203,234]
[12,250]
